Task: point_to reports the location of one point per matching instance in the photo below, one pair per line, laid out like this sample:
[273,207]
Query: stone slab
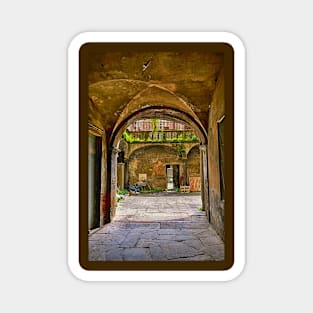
[157,228]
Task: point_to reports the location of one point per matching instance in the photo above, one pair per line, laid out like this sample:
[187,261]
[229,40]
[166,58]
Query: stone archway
[119,93]
[166,113]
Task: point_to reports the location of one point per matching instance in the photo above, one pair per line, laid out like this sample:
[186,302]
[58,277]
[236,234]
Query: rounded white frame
[239,161]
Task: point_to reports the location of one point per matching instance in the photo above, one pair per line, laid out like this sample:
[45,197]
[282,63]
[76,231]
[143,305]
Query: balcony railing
[160,136]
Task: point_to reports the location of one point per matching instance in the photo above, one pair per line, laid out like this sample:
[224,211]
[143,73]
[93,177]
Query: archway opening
[155,144]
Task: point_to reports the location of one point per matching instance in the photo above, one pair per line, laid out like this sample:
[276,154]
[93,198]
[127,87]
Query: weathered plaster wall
[130,148]
[152,161]
[217,110]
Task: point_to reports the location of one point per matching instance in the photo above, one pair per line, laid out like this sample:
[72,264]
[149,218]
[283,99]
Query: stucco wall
[217,111]
[152,161]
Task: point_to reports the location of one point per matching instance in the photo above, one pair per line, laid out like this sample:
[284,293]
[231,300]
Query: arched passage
[185,86]
[163,112]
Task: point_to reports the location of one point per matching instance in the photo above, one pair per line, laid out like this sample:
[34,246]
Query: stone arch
[164,112]
[193,146]
[160,100]
[142,101]
[157,95]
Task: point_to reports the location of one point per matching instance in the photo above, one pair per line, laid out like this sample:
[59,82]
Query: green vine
[155,123]
[160,138]
[181,149]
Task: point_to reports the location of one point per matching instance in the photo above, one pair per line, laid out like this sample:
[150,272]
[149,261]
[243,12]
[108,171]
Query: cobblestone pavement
[151,227]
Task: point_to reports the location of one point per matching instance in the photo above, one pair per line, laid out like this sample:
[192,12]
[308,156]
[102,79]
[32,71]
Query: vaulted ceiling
[120,82]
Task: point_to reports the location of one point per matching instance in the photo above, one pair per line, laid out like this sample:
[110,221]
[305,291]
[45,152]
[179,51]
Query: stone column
[114,155]
[204,178]
[120,175]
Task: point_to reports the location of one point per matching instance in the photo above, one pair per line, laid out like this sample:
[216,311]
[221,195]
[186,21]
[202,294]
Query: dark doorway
[94,178]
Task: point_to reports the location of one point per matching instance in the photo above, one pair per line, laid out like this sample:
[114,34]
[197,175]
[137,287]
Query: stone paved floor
[163,227]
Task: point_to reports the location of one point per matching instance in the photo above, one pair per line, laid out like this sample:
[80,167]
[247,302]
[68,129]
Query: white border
[73,156]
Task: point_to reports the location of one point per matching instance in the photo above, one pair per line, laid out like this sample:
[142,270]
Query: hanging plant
[155,123]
